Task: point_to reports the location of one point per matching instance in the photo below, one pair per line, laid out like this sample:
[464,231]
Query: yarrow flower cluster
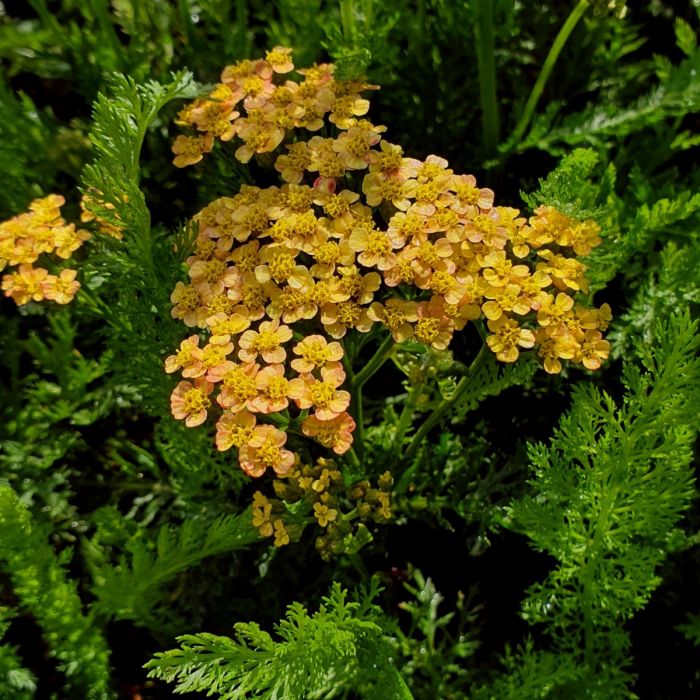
[40,232]
[358,237]
[340,511]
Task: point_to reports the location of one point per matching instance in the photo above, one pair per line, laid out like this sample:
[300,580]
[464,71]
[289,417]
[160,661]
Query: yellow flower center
[327,253]
[265,340]
[189,299]
[239,435]
[195,401]
[269,453]
[253,85]
[391,189]
[315,352]
[276,388]
[427,330]
[467,194]
[219,304]
[348,313]
[212,356]
[242,385]
[378,244]
[391,160]
[213,271]
[321,394]
[256,219]
[430,171]
[299,156]
[320,293]
[441,282]
[281,267]
[336,206]
[299,200]
[184,357]
[427,192]
[357,145]
[428,254]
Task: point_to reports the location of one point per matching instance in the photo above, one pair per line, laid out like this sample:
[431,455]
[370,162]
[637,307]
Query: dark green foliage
[607,495]
[16,683]
[339,648]
[39,580]
[134,588]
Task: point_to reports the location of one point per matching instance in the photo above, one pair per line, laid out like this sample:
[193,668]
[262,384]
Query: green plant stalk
[405,418]
[484,34]
[357,382]
[547,68]
[347,20]
[436,416]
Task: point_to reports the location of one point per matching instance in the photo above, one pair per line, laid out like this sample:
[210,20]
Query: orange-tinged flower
[554,346]
[188,358]
[292,165]
[375,248]
[266,342]
[593,350]
[338,318]
[503,300]
[507,336]
[190,402]
[238,386]
[234,429]
[397,315]
[315,352]
[433,326]
[280,59]
[566,273]
[499,271]
[273,390]
[212,277]
[67,240]
[354,146]
[323,395]
[189,150]
[469,199]
[553,311]
[335,434]
[265,450]
[378,187]
[60,289]
[223,326]
[189,305]
[24,285]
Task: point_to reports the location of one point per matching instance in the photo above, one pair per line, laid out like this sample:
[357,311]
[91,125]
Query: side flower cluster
[38,236]
[357,237]
[339,510]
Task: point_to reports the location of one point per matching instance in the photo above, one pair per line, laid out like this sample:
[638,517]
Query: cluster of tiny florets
[341,511]
[357,237]
[39,235]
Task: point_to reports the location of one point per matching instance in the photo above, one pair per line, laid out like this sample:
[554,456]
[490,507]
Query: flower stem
[358,381]
[483,28]
[444,406]
[545,73]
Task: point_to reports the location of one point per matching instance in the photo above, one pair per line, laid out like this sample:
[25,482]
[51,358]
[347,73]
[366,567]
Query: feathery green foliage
[607,494]
[338,649]
[40,582]
[16,683]
[134,588]
[130,281]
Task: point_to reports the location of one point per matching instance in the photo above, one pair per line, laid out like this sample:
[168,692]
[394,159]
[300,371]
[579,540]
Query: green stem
[405,419]
[436,416]
[356,384]
[376,362]
[354,460]
[347,20]
[483,28]
[545,73]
